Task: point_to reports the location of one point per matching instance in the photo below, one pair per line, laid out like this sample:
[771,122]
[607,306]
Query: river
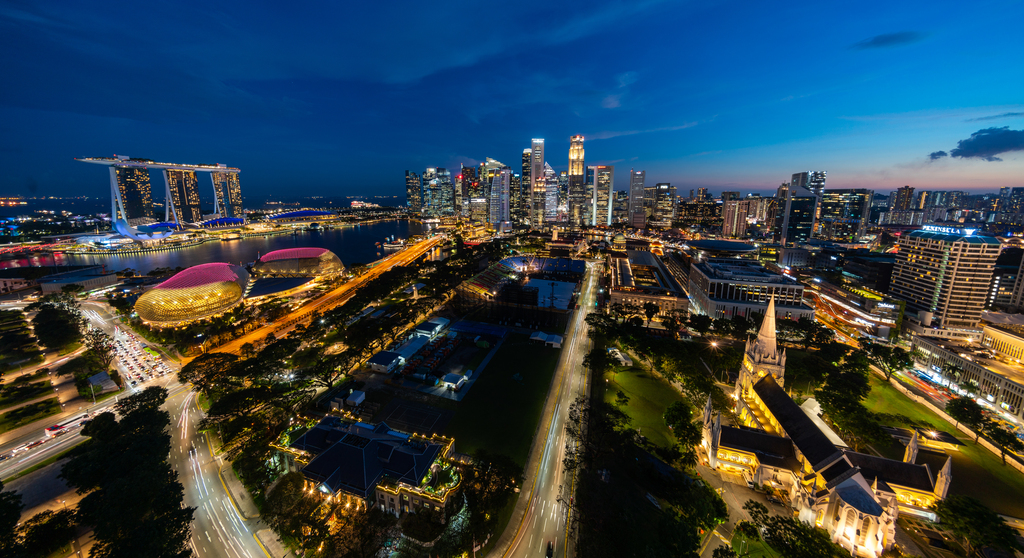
[353,244]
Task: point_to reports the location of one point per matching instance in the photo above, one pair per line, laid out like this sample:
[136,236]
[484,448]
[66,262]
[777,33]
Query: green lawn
[753,549]
[649,396]
[17,394]
[977,472]
[501,412]
[28,414]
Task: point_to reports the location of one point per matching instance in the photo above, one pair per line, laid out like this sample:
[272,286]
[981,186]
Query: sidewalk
[239,495]
[272,544]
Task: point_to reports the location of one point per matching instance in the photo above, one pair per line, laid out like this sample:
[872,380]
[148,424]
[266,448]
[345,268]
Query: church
[854,496]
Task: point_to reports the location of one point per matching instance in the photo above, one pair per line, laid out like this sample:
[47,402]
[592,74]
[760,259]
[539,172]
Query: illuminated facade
[577,181]
[501,184]
[132,195]
[538,185]
[601,201]
[637,215]
[854,497]
[299,262]
[227,195]
[413,192]
[182,196]
[199,292]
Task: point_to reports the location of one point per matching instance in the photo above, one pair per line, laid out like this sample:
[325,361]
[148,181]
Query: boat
[230,236]
[394,243]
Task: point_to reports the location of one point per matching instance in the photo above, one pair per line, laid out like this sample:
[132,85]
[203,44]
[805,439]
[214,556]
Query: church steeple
[762,355]
[767,342]
[910,455]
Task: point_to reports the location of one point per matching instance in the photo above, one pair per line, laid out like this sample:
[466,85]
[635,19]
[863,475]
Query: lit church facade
[854,496]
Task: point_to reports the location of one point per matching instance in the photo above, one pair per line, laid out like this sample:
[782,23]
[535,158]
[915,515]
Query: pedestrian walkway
[236,490]
[272,544]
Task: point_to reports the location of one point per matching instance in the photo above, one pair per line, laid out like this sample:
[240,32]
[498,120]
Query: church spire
[767,342]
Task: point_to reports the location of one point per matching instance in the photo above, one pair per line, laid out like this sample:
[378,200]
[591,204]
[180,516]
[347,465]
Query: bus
[58,429]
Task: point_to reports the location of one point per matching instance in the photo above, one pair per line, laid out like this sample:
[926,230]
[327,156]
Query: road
[334,298]
[545,518]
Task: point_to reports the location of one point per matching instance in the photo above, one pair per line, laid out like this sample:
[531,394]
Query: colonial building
[854,496]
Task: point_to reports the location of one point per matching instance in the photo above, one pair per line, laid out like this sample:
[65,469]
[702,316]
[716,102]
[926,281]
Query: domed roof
[619,237]
[205,274]
[293,253]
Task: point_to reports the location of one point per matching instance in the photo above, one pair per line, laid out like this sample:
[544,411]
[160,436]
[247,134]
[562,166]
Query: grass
[17,394]
[501,413]
[977,472]
[649,396]
[28,414]
[70,348]
[753,549]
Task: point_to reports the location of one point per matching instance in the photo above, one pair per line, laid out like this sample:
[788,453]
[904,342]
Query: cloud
[615,134]
[626,79]
[889,40]
[996,116]
[937,155]
[986,144]
[611,101]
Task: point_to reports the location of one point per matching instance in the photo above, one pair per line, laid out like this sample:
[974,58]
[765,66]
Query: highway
[334,298]
[545,518]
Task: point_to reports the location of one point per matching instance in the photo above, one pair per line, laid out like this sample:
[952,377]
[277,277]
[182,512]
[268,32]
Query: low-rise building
[638,277]
[860,305]
[90,278]
[723,288]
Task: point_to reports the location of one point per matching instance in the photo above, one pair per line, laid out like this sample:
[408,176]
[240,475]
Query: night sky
[342,98]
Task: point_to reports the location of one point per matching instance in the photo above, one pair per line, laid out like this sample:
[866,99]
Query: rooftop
[806,436]
[205,274]
[960,235]
[293,253]
[739,270]
[721,246]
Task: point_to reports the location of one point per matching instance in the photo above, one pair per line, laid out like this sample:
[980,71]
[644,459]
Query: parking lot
[135,363]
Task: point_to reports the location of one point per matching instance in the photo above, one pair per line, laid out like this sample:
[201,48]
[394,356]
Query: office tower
[438,193]
[515,199]
[726,196]
[501,185]
[1015,202]
[601,203]
[227,195]
[903,199]
[637,216]
[664,204]
[550,194]
[702,194]
[944,276]
[469,187]
[538,191]
[132,199]
[182,196]
[413,192]
[577,181]
[460,194]
[620,207]
[527,183]
[563,189]
[812,181]
[734,218]
[843,216]
[794,219]
[488,170]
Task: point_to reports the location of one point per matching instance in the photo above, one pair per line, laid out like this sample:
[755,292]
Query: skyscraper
[500,187]
[902,199]
[550,194]
[182,196]
[515,197]
[664,204]
[637,216]
[844,214]
[601,204]
[812,181]
[133,198]
[794,220]
[563,189]
[413,192]
[227,195]
[538,191]
[577,181]
[944,276]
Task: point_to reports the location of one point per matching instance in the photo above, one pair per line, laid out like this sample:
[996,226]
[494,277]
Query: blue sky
[341,99]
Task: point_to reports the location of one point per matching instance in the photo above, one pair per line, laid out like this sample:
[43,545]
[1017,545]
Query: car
[775,500]
[551,550]
[134,382]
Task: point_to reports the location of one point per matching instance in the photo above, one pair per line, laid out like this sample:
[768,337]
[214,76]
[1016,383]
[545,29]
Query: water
[353,244]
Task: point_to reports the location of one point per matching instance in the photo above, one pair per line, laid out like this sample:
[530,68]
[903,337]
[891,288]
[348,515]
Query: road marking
[208,536]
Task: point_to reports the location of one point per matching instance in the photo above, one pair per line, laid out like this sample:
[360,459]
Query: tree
[975,524]
[966,410]
[724,552]
[10,511]
[206,370]
[101,345]
[650,311]
[792,537]
[56,328]
[47,531]
[889,359]
[1003,438]
[679,417]
[700,323]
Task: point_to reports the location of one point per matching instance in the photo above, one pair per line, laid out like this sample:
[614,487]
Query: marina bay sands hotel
[132,197]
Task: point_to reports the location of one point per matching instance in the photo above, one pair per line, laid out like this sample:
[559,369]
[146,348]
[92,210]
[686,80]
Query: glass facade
[198,292]
[182,196]
[135,193]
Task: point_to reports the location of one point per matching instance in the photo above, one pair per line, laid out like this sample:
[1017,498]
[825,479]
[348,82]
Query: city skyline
[880,101]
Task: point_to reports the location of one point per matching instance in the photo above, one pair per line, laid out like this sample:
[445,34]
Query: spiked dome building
[199,292]
[855,497]
[299,262]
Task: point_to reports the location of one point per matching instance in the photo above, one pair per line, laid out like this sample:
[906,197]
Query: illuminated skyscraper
[601,204]
[577,181]
[133,196]
[227,194]
[538,186]
[413,192]
[903,198]
[637,216]
[550,194]
[812,181]
[182,196]
[438,193]
[843,215]
[664,205]
[500,186]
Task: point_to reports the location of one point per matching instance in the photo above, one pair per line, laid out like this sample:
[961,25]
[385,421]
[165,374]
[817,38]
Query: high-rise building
[702,194]
[637,215]
[902,199]
[1015,201]
[133,197]
[664,205]
[844,214]
[794,220]
[182,196]
[944,275]
[501,185]
[526,187]
[577,181]
[538,191]
[601,203]
[551,192]
[413,192]
[620,207]
[726,196]
[227,195]
[812,181]
[515,199]
[439,194]
[734,217]
[563,189]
